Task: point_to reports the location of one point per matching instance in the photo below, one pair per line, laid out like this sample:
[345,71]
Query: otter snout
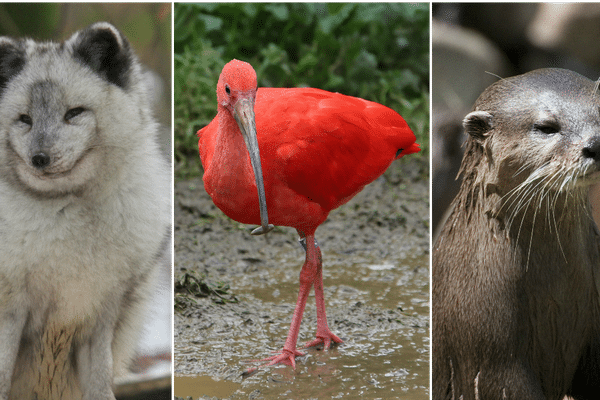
[592,149]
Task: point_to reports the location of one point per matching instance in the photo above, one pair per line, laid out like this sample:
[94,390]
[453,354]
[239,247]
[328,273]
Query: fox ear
[12,60]
[106,51]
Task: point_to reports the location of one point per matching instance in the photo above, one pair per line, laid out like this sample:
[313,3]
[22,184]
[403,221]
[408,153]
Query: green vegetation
[376,51]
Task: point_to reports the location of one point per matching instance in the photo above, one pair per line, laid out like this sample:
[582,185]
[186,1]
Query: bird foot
[327,338]
[286,356]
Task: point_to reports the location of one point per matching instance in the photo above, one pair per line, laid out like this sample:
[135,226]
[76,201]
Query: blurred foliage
[15,19]
[376,51]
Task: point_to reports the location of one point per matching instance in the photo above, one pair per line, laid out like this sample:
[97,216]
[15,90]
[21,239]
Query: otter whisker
[520,194]
[527,188]
[547,188]
[515,195]
[550,196]
[476,384]
[543,195]
[517,204]
[521,169]
[531,233]
[562,251]
[529,194]
[524,202]
[595,91]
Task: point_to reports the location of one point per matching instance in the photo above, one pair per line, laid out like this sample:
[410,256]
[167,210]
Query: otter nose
[592,149]
[40,160]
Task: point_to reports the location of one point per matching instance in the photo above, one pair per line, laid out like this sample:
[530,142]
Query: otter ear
[477,124]
[12,60]
[105,50]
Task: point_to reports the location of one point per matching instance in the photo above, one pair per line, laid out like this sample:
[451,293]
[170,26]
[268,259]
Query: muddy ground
[375,264]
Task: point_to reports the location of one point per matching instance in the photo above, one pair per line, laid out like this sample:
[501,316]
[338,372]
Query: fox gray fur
[85,213]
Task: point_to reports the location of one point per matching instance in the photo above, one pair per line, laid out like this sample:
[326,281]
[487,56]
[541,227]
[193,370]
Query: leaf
[211,23]
[279,11]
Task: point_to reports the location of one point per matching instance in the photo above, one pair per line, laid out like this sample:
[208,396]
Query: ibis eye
[73,112]
[227,90]
[26,119]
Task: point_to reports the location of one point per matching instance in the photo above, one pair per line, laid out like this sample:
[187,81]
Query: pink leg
[324,334]
[307,278]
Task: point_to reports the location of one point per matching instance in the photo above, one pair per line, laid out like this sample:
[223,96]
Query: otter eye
[26,119]
[227,90]
[548,128]
[73,112]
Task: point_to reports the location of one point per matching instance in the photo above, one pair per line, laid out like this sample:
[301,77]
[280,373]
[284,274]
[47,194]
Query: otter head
[540,128]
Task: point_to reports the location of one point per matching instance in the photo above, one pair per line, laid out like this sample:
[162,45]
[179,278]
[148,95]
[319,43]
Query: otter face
[540,129]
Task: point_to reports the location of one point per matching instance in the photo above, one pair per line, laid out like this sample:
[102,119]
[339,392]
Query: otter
[516,269]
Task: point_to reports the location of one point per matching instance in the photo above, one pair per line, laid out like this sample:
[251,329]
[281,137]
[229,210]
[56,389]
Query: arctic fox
[85,213]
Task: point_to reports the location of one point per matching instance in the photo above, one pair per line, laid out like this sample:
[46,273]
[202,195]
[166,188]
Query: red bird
[318,149]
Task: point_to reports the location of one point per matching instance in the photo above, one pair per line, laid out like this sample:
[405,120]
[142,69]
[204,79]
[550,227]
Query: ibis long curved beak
[243,112]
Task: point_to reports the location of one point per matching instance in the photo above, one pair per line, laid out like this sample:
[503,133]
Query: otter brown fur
[516,269]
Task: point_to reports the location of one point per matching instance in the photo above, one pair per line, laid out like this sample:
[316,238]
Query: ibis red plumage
[290,156]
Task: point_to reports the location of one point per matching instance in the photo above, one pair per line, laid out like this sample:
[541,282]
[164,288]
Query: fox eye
[26,119]
[73,112]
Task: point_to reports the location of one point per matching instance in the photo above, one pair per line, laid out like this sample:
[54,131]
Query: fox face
[55,102]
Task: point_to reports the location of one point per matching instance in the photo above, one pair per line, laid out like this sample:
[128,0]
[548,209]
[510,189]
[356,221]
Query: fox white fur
[85,213]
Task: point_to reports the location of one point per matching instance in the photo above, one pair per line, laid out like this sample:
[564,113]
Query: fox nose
[40,160]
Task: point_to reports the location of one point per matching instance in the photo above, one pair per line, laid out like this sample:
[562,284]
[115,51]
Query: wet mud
[376,278]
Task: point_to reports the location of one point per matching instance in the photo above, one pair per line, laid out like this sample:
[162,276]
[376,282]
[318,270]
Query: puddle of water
[381,267]
[405,285]
[380,313]
[284,292]
[402,283]
[361,369]
[373,365]
[197,386]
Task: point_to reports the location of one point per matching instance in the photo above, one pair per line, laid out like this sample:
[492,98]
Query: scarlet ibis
[318,149]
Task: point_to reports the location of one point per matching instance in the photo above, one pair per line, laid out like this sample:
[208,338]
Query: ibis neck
[231,148]
[230,178]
